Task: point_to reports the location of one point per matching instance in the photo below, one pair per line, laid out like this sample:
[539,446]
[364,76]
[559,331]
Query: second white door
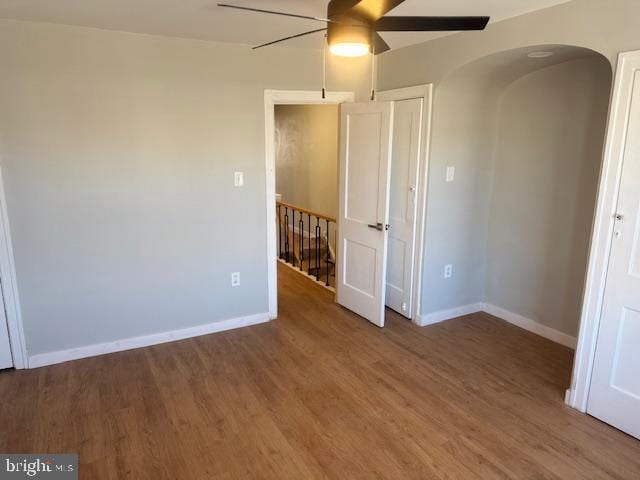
[407,131]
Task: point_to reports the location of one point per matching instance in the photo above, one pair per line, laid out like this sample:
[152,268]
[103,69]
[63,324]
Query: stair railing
[305,241]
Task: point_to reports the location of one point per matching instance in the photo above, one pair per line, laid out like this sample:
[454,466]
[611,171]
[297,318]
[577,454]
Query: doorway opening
[285,235]
[523,130]
[304,152]
[307,157]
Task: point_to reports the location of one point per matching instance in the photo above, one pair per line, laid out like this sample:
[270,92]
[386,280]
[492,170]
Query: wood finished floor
[319,393]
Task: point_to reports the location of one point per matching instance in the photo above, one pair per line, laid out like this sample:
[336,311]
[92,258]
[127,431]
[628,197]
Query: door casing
[305,97]
[10,287]
[271,99]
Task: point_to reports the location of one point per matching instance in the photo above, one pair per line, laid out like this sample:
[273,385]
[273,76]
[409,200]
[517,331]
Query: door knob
[379,226]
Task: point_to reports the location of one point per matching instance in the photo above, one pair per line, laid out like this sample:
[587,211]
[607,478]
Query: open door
[614,396]
[365,157]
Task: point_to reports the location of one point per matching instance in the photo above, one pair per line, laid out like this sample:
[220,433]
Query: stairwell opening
[306,171]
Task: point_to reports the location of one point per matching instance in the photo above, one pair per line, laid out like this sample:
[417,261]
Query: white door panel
[407,130]
[6,360]
[614,395]
[365,144]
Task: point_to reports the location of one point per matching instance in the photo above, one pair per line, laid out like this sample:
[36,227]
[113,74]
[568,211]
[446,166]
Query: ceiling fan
[352,26]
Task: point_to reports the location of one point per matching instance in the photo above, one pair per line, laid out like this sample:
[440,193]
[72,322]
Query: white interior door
[365,155]
[614,394]
[6,360]
[407,130]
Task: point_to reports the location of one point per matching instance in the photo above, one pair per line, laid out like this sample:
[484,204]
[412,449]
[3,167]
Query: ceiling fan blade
[272,12]
[289,38]
[379,45]
[339,7]
[429,24]
[370,10]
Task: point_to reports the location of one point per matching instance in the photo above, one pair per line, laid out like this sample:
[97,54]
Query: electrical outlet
[451,174]
[235,279]
[448,271]
[238,179]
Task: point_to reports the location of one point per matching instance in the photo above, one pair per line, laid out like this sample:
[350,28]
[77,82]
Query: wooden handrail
[308,212]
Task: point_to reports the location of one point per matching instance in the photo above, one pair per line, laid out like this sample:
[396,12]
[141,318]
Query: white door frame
[10,287]
[271,99]
[602,235]
[424,92]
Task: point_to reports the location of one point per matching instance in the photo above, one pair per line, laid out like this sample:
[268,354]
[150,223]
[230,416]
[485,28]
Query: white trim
[503,314]
[530,325]
[60,356]
[10,287]
[628,64]
[424,92]
[271,99]
[443,315]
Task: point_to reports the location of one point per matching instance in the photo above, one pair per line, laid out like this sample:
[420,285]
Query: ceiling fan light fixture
[350,49]
[351,38]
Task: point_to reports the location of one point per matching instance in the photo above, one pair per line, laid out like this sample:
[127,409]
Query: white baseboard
[567,396]
[441,316]
[60,356]
[532,326]
[510,317]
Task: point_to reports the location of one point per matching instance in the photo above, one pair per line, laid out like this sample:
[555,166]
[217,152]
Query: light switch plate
[238,179]
[451,174]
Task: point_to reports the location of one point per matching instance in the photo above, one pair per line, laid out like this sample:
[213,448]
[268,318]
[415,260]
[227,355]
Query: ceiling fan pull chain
[324,65]
[373,76]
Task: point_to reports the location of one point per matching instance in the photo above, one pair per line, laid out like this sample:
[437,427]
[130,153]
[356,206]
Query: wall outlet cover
[448,271]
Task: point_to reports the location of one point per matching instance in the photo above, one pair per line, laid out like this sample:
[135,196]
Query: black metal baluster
[286,234]
[301,241]
[318,248]
[327,261]
[309,242]
[279,232]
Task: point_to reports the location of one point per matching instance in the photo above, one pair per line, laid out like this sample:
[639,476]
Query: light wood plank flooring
[319,393]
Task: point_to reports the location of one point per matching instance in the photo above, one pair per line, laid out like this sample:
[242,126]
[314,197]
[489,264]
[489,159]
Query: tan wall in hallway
[307,156]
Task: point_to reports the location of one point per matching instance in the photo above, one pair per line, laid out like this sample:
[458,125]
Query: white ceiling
[202,19]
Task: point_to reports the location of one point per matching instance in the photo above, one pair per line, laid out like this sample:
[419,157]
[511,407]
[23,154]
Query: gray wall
[465,119]
[307,139]
[526,140]
[547,163]
[605,26]
[455,211]
[117,153]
